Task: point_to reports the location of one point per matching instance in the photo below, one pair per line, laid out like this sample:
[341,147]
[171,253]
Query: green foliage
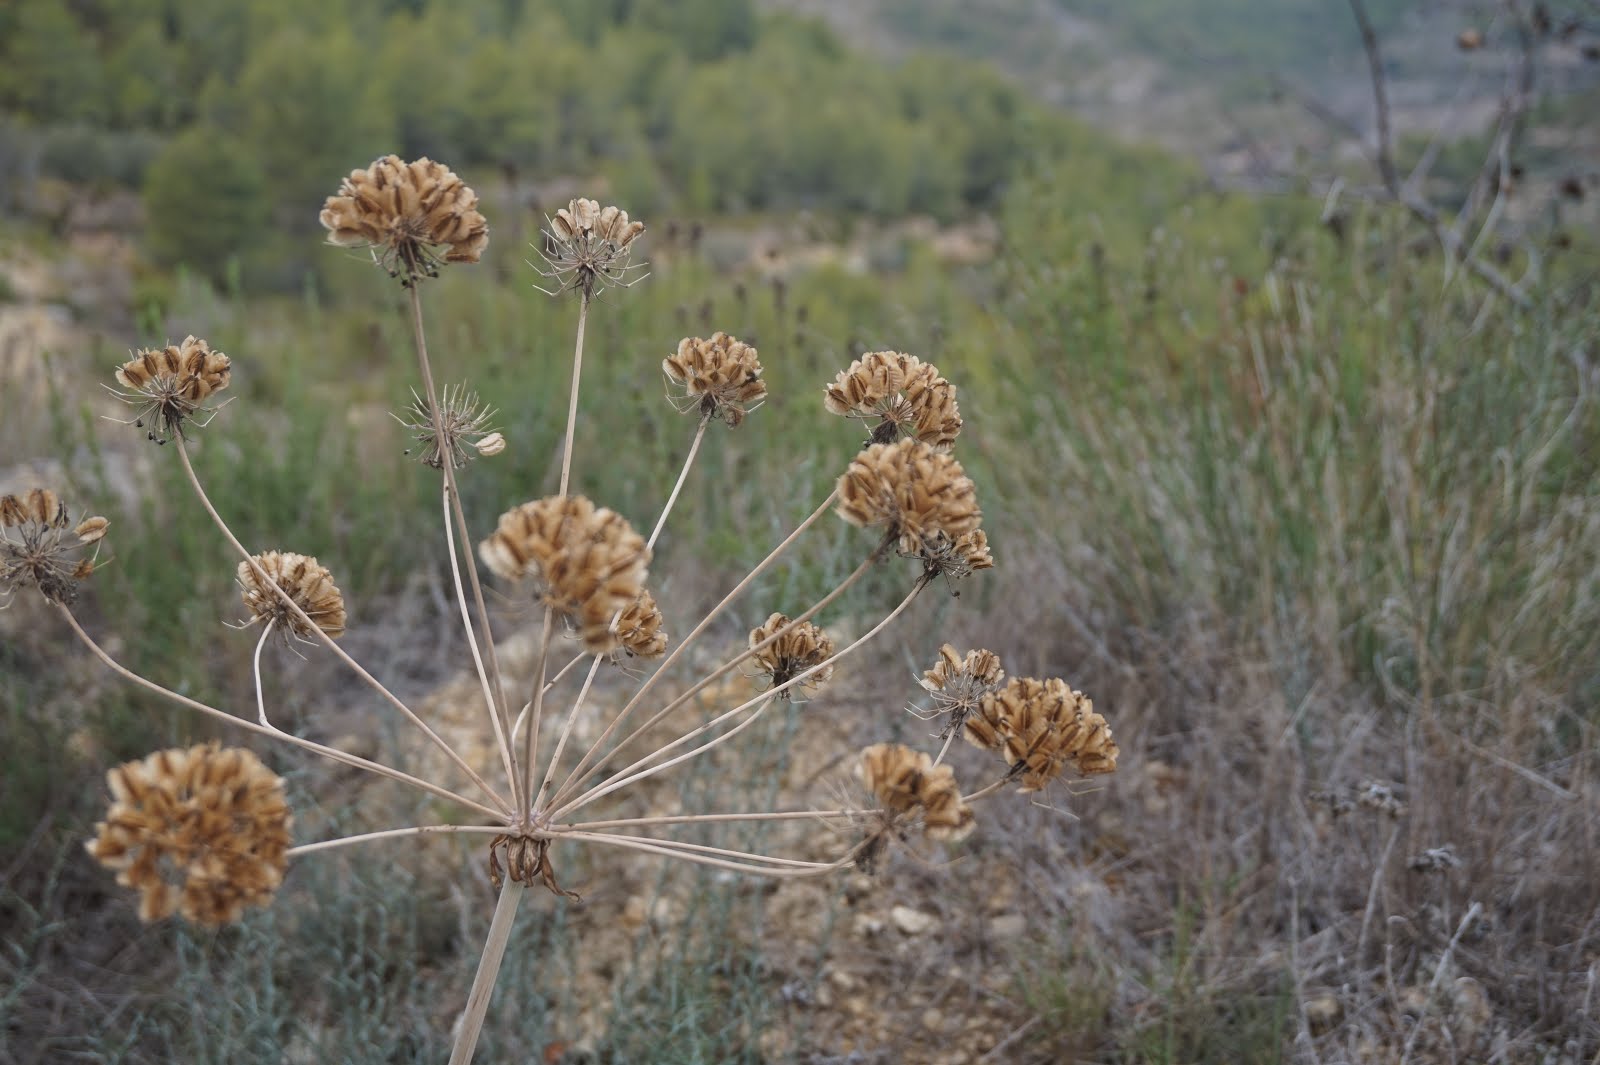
[205,199]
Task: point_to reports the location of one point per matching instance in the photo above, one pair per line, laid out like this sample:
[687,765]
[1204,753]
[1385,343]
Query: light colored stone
[912,922]
[1007,926]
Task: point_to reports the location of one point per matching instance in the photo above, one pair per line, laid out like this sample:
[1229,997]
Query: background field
[1309,511]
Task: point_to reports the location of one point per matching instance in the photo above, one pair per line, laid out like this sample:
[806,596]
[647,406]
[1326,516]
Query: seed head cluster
[200,831]
[306,581]
[586,562]
[40,546]
[639,628]
[902,395]
[718,378]
[589,246]
[464,421]
[803,647]
[167,386]
[1039,726]
[414,216]
[905,781]
[958,684]
[918,494]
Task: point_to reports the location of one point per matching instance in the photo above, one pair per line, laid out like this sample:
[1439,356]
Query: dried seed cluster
[905,396]
[201,831]
[305,580]
[464,421]
[586,561]
[906,781]
[956,556]
[40,546]
[639,628]
[801,648]
[958,683]
[589,246]
[1040,725]
[719,377]
[406,213]
[920,495]
[168,385]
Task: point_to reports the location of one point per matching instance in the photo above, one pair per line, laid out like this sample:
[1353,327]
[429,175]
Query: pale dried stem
[395,833]
[574,782]
[333,753]
[717,863]
[261,702]
[360,671]
[530,742]
[494,951]
[501,739]
[701,848]
[683,475]
[635,772]
[572,404]
[983,793]
[948,740]
[566,730]
[522,716]
[686,819]
[494,687]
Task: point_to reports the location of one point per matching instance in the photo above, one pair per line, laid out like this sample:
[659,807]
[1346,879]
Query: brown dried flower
[587,562]
[914,491]
[168,385]
[589,247]
[464,420]
[1040,725]
[959,683]
[306,581]
[407,212]
[201,831]
[903,394]
[39,545]
[801,648]
[956,557]
[906,781]
[719,378]
[639,628]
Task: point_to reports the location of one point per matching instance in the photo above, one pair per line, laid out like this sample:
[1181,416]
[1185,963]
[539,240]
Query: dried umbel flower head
[915,492]
[40,546]
[958,684]
[201,831]
[168,386]
[901,394]
[718,378]
[589,246]
[906,781]
[639,628]
[412,215]
[305,580]
[955,557]
[1040,725]
[801,648]
[587,562]
[464,421]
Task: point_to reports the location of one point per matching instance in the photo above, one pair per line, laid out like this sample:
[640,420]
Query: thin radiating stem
[946,748]
[982,793]
[395,833]
[717,863]
[530,742]
[278,734]
[683,475]
[572,404]
[701,848]
[328,641]
[635,773]
[495,693]
[572,717]
[501,739]
[522,717]
[686,819]
[574,780]
[494,951]
[261,702]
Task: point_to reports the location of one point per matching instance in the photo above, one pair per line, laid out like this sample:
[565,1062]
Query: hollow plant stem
[261,702]
[395,833]
[328,641]
[636,772]
[566,730]
[573,779]
[489,696]
[572,404]
[495,692]
[683,475]
[333,753]
[494,951]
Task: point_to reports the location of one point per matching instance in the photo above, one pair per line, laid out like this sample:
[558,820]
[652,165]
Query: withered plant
[203,832]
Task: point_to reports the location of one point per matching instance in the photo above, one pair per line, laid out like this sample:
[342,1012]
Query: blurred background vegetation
[1295,497]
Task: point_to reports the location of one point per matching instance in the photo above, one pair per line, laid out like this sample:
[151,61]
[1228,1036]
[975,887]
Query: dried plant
[203,832]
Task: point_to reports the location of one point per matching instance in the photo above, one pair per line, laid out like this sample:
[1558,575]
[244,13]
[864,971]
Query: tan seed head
[901,395]
[412,215]
[917,493]
[906,781]
[305,580]
[717,378]
[803,647]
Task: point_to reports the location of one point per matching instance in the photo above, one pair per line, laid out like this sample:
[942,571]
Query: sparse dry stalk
[203,831]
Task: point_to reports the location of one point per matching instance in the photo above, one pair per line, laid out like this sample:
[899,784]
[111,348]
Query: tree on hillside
[205,199]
